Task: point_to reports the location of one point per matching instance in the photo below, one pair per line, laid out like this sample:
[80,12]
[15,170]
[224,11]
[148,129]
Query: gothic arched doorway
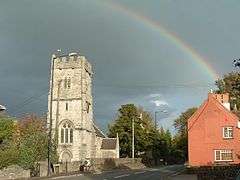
[66,156]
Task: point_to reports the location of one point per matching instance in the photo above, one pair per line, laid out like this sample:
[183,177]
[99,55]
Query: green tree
[161,146]
[180,123]
[123,126]
[33,142]
[181,138]
[7,129]
[8,147]
[24,142]
[9,156]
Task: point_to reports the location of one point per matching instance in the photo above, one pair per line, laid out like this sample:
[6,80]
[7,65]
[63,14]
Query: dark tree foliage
[123,126]
[7,128]
[150,143]
[8,148]
[181,138]
[180,123]
[25,142]
[230,83]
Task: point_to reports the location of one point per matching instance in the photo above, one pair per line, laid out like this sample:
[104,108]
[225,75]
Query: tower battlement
[72,61]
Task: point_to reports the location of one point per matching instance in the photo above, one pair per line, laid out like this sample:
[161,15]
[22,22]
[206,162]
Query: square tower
[70,111]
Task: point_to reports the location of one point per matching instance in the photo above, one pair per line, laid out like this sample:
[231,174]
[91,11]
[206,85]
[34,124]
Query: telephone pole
[133,138]
[57,111]
[133,133]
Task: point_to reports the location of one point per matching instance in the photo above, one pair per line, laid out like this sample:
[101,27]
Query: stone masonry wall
[100,164]
[79,99]
[14,172]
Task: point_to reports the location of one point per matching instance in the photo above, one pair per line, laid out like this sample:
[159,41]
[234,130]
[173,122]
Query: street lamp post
[2,108]
[236,63]
[50,115]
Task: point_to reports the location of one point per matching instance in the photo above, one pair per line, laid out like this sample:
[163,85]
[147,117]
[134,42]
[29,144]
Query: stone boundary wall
[14,172]
[100,164]
[121,163]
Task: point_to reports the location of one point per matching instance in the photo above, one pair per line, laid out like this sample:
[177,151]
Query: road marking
[141,172]
[152,170]
[63,177]
[165,171]
[124,175]
[177,173]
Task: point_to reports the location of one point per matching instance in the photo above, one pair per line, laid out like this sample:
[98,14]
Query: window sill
[226,138]
[223,160]
[64,144]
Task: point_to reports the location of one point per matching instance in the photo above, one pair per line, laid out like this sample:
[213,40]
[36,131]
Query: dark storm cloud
[130,61]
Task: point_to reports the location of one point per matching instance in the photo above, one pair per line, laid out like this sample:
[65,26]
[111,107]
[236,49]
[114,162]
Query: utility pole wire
[29,100]
[33,99]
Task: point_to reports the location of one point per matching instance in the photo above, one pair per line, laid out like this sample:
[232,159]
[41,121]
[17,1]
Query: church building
[70,111]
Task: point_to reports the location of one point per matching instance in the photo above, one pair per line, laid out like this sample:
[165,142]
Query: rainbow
[173,38]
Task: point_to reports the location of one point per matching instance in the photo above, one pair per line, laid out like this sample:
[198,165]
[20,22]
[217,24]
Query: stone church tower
[72,109]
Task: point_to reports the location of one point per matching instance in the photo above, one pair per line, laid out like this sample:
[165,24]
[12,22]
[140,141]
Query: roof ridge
[219,105]
[95,126]
[223,107]
[202,108]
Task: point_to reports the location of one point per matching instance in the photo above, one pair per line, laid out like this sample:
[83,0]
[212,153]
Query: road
[161,173]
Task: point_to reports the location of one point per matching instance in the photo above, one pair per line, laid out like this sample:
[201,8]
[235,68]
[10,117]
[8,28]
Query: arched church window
[66,133]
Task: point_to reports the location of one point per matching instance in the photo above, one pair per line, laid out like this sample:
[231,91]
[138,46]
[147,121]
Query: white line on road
[64,177]
[141,172]
[178,172]
[124,175]
[152,170]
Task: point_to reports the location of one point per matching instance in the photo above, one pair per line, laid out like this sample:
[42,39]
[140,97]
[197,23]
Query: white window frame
[222,151]
[229,128]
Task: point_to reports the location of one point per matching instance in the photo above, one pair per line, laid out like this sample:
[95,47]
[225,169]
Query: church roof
[109,143]
[98,132]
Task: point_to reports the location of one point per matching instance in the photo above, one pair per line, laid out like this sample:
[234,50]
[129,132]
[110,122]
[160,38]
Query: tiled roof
[109,143]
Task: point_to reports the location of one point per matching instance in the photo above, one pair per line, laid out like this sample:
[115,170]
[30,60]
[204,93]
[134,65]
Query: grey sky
[131,61]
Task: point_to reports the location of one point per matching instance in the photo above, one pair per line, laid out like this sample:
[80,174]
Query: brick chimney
[222,98]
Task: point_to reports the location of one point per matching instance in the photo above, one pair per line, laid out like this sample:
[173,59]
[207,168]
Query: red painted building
[214,133]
